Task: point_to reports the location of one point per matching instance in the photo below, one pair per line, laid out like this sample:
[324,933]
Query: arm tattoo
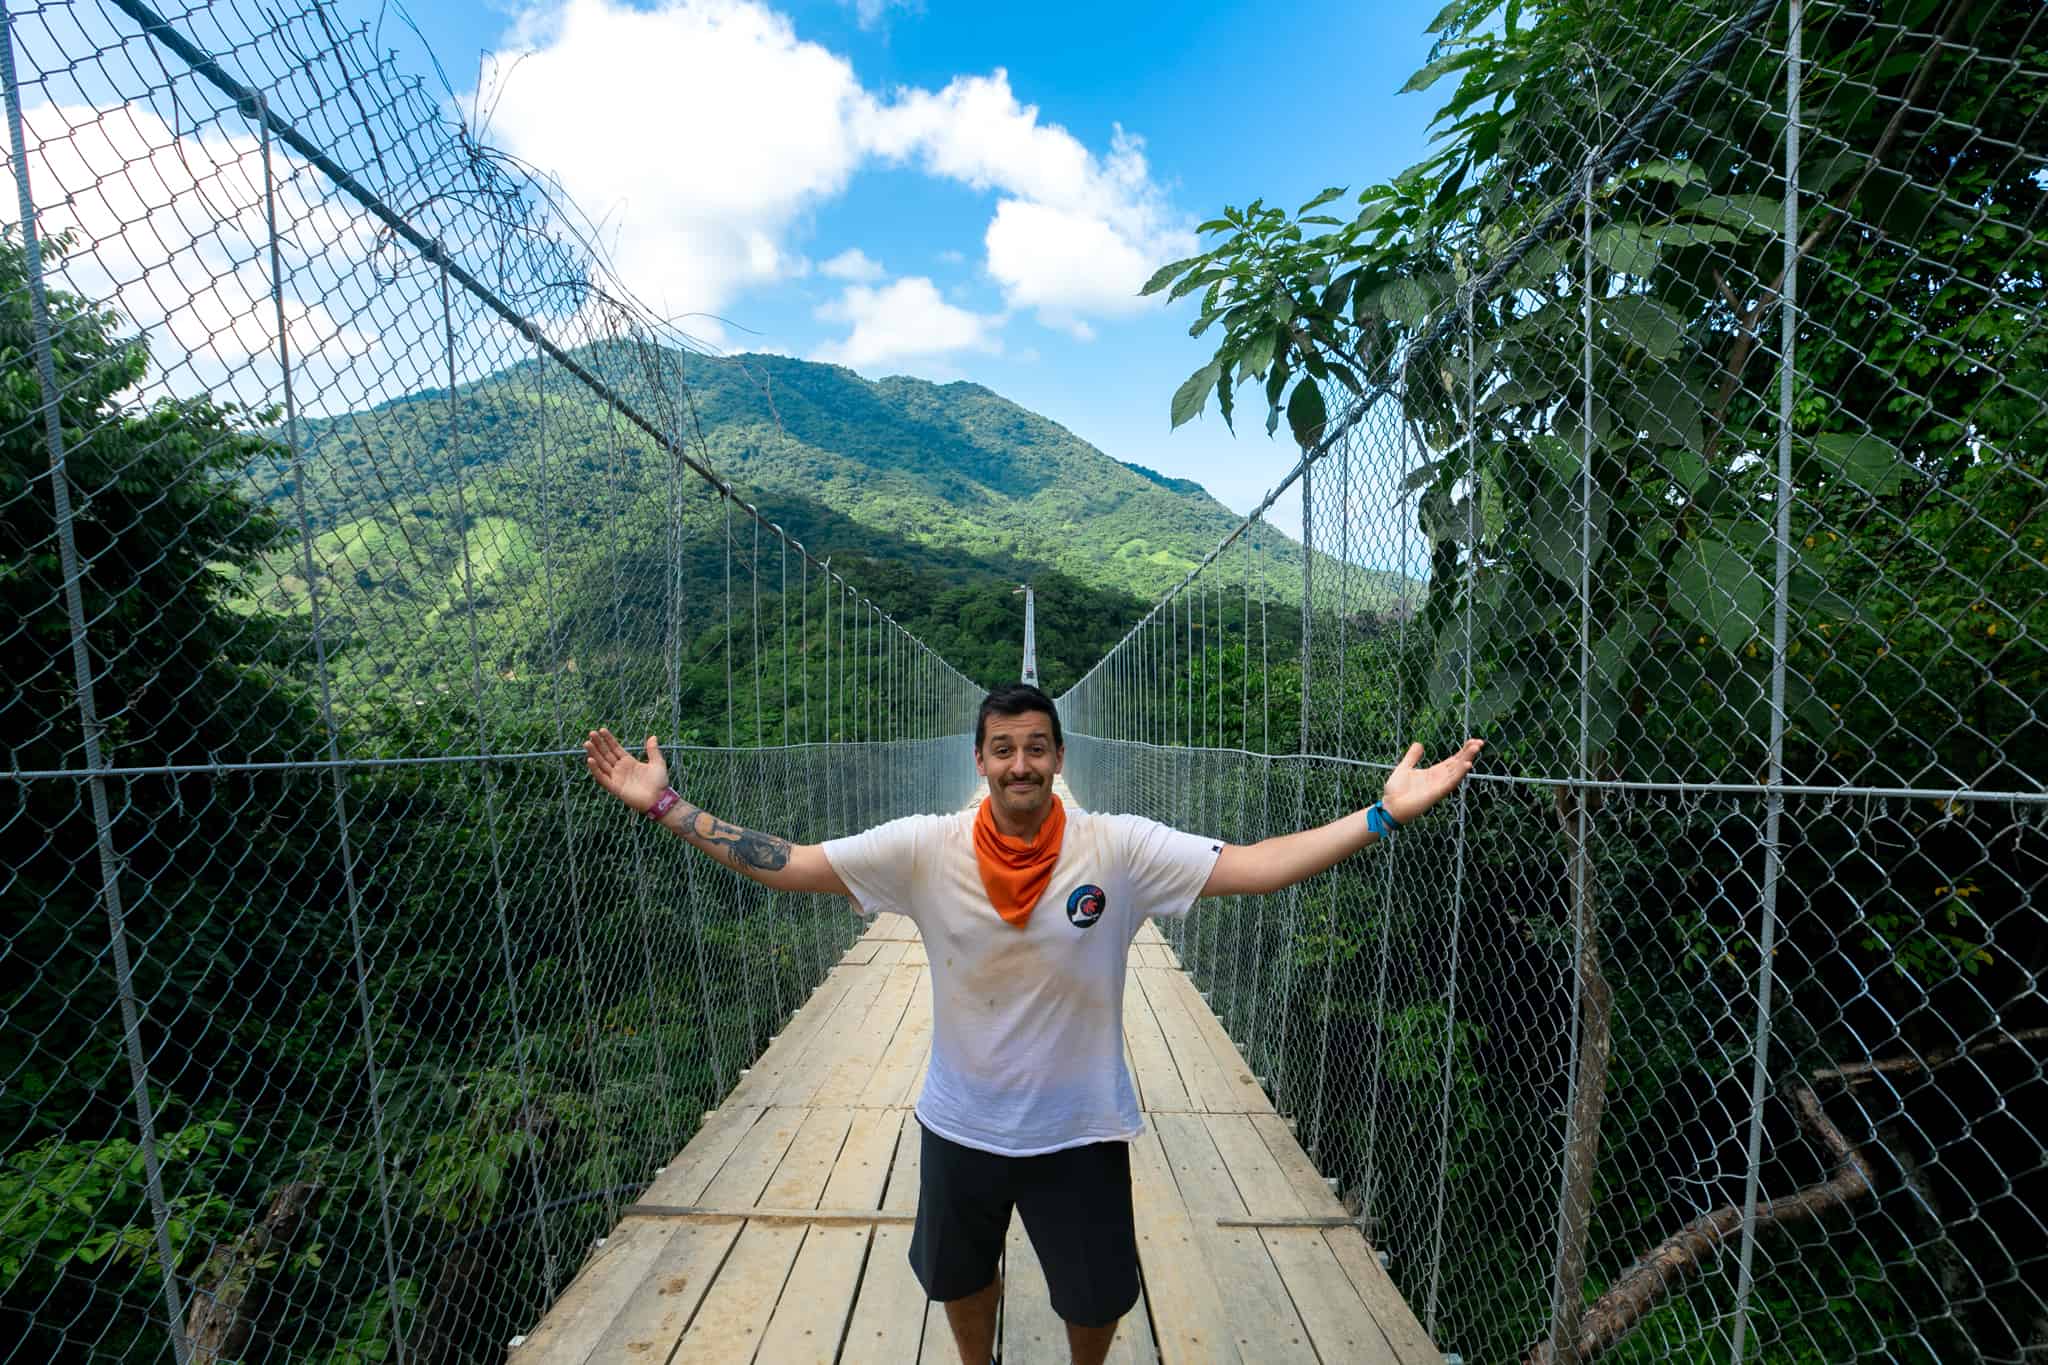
[742,848]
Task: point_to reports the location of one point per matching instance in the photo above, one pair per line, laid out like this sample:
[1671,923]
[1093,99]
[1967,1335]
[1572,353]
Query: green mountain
[569,535]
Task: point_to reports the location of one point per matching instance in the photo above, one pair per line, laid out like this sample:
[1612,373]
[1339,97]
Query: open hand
[1412,790]
[626,777]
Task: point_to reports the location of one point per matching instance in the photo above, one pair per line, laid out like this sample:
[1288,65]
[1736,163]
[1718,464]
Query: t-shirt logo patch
[1085,906]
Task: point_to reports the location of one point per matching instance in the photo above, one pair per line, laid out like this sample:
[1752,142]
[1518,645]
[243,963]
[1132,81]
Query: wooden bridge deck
[783,1227]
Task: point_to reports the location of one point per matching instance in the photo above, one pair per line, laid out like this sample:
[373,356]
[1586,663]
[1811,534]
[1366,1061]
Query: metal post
[1774,808]
[90,725]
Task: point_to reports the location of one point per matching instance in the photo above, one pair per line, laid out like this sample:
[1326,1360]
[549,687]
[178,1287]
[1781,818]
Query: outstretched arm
[775,863]
[1277,863]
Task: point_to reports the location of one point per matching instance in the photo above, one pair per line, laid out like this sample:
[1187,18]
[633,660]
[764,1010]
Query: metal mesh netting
[1704,479]
[340,1013]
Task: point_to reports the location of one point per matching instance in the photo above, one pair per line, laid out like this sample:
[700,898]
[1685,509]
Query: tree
[1622,384]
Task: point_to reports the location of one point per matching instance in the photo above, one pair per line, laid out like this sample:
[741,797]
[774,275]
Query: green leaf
[1559,456]
[1871,463]
[1714,584]
[1194,391]
[1650,323]
[1626,249]
[1670,172]
[1325,197]
[1404,300]
[1258,353]
[1165,274]
[1445,15]
[1196,281]
[1666,409]
[1441,67]
[1538,269]
[1422,475]
[1556,526]
[1687,470]
[1743,212]
[1306,414]
[1496,698]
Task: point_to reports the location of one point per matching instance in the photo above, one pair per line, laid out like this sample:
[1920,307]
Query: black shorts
[1076,1206]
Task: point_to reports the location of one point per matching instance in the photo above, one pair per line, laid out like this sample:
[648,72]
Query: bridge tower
[1030,634]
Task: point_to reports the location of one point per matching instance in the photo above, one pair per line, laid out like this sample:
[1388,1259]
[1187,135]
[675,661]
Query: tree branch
[227,1296]
[1643,1285]
[1855,1073]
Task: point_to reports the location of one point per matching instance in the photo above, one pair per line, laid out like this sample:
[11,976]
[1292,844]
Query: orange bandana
[1013,872]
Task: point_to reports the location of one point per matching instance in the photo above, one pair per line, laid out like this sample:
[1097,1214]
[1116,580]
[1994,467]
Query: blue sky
[945,190]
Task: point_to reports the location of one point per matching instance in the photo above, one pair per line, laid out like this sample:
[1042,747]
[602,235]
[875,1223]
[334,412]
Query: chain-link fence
[1700,468]
[343,491]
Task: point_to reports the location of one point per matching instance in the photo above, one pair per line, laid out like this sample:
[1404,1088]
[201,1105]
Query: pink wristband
[663,804]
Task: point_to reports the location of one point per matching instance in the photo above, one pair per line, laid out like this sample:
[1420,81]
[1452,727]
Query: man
[1027,911]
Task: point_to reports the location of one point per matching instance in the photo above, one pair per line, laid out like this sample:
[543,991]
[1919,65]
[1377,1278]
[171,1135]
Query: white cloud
[698,133]
[902,321]
[1073,233]
[169,229]
[703,133]
[853,265]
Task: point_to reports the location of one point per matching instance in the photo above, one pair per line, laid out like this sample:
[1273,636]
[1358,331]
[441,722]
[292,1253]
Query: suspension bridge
[346,488]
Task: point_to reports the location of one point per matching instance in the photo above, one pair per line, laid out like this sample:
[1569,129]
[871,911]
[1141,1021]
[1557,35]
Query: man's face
[1018,758]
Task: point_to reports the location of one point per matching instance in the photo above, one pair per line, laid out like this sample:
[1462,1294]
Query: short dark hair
[1016,699]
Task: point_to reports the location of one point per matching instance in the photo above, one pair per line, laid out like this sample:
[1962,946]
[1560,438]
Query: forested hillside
[935,499]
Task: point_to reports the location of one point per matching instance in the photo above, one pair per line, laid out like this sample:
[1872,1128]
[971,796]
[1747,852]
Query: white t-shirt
[1027,1024]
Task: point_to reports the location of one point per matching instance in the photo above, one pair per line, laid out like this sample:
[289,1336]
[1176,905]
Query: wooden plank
[901,1194]
[735,1311]
[683,1180]
[888,925]
[1338,1321]
[888,1319]
[1397,1321]
[841,1032]
[939,1346]
[1032,1333]
[1340,1324]
[890,1085]
[862,1171]
[1152,1066]
[745,1173]
[1187,1310]
[915,955]
[889,953]
[771,1213]
[1207,1088]
[856,1063]
[1261,1184]
[800,1178]
[1309,1186]
[1133,1344]
[817,1302]
[861,952]
[665,1300]
[1245,1093]
[605,1284]
[797,1036]
[1263,1321]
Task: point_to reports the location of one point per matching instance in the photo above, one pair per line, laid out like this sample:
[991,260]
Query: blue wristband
[1378,822]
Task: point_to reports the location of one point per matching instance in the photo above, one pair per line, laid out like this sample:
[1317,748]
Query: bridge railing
[1703,478]
[344,491]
